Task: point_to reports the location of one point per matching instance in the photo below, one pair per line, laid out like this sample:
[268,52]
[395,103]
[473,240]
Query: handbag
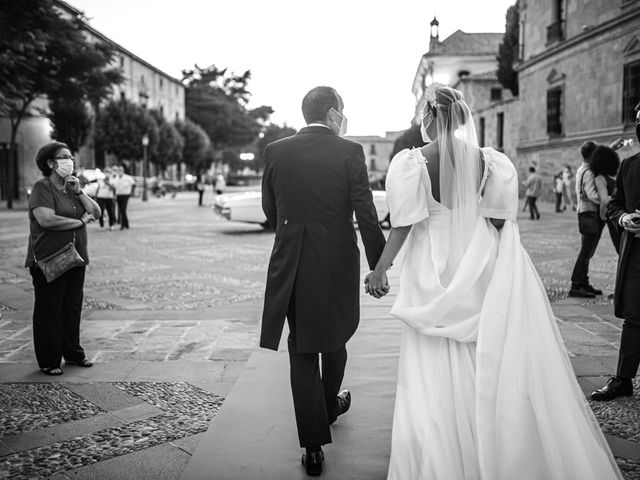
[60,262]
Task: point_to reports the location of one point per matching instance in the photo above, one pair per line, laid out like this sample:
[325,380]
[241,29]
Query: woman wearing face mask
[58,214]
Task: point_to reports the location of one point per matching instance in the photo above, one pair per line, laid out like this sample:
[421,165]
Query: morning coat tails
[626,199]
[313,182]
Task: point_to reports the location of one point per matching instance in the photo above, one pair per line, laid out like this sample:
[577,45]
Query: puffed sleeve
[407,187]
[500,187]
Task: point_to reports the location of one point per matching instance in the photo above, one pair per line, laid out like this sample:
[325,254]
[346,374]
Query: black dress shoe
[312,461]
[581,293]
[595,291]
[615,387]
[343,402]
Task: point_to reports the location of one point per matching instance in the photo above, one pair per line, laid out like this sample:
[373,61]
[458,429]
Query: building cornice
[80,16]
[572,140]
[493,105]
[629,14]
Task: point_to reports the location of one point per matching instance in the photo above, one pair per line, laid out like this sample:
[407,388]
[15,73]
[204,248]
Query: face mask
[64,168]
[339,120]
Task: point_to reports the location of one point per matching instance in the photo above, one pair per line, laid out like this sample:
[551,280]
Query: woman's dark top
[45,241]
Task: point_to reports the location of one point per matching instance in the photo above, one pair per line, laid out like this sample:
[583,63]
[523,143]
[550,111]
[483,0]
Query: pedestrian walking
[558,186]
[58,213]
[624,209]
[124,187]
[200,186]
[567,192]
[590,224]
[105,196]
[314,272]
[533,185]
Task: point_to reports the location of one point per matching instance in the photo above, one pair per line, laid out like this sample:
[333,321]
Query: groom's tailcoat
[626,199]
[313,182]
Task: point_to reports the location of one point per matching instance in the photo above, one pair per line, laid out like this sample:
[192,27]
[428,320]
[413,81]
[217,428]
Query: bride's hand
[376,284]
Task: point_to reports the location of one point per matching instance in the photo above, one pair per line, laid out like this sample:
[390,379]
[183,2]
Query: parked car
[247,207]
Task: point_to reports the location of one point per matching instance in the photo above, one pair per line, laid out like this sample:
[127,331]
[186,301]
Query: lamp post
[145,166]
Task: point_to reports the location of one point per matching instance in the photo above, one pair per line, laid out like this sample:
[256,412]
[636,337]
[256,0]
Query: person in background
[533,185]
[558,187]
[200,186]
[624,209]
[604,164]
[589,224]
[567,181]
[58,214]
[124,186]
[221,184]
[105,197]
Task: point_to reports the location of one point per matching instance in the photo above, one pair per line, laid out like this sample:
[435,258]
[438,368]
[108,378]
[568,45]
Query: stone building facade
[579,78]
[144,84]
[377,153]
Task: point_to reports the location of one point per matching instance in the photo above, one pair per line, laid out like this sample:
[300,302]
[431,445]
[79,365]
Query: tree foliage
[508,52]
[170,142]
[271,133]
[71,121]
[196,143]
[410,138]
[217,101]
[42,53]
[120,127]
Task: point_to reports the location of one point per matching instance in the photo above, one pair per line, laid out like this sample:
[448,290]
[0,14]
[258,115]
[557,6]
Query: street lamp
[145,166]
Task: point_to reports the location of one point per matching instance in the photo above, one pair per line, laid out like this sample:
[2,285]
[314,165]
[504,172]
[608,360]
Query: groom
[312,184]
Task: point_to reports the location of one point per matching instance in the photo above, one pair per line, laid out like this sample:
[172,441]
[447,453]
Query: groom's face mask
[337,122]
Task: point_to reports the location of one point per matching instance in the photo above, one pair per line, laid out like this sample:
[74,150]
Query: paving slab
[134,413]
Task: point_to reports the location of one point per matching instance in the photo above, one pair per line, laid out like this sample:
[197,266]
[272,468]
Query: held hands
[72,184]
[376,284]
[631,222]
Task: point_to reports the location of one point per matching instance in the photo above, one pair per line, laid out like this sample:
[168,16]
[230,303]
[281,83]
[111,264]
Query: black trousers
[314,393]
[123,220]
[533,209]
[56,317]
[200,195]
[106,204]
[629,355]
[588,245]
[558,202]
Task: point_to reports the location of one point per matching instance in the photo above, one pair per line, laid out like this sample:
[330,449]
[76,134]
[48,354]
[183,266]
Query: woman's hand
[88,218]
[72,184]
[376,284]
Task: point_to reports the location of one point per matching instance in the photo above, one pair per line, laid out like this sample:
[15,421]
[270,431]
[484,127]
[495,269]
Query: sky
[368,50]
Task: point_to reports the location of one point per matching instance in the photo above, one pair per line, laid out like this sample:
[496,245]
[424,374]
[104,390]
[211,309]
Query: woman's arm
[90,205]
[47,218]
[376,282]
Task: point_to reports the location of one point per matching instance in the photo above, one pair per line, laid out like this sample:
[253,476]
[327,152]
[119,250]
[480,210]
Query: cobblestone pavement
[177,298]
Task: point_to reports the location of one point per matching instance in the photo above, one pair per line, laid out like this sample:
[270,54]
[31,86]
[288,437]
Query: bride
[485,387]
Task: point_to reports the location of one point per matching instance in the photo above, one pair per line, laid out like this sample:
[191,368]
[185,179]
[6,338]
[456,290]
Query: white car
[247,207]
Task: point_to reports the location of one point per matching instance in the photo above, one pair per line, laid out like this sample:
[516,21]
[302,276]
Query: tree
[271,133]
[508,52]
[120,127]
[410,138]
[217,101]
[88,81]
[170,142]
[196,143]
[39,51]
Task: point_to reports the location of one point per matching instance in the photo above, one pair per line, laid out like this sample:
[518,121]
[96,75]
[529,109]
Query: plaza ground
[171,315]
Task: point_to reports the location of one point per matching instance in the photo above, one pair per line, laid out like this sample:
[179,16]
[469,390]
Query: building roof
[80,15]
[490,75]
[462,43]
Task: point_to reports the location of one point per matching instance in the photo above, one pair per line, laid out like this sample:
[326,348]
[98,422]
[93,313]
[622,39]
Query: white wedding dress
[485,387]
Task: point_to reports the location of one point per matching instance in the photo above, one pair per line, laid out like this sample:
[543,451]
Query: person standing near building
[533,185]
[624,209]
[124,186]
[105,196]
[567,181]
[558,187]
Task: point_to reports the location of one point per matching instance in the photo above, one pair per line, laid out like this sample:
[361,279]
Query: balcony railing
[555,32]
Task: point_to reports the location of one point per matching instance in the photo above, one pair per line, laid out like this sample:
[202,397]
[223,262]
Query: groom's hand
[376,284]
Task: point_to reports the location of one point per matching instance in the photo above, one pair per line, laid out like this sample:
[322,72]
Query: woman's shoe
[53,371]
[85,362]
